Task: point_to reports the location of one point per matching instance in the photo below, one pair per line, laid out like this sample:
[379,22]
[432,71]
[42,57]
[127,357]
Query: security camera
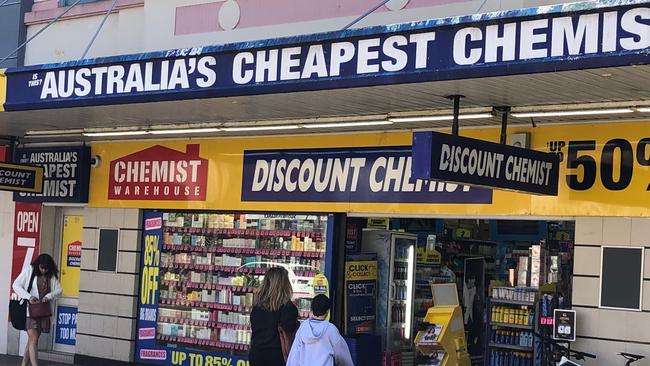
[95,160]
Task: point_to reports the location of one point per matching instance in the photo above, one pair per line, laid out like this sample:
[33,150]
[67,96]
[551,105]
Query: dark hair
[320,304]
[46,261]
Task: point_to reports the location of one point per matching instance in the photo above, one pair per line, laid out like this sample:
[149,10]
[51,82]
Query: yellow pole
[3,89]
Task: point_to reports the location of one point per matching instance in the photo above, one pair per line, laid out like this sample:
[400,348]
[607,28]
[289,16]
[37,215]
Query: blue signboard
[361,294]
[459,159]
[545,39]
[66,325]
[151,348]
[370,174]
[66,173]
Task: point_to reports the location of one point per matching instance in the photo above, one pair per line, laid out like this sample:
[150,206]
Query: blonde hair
[275,290]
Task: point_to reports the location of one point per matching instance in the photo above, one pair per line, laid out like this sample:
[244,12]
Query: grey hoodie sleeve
[342,355]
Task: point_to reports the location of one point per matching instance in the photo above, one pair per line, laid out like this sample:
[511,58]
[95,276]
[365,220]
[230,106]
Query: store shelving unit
[510,324]
[212,263]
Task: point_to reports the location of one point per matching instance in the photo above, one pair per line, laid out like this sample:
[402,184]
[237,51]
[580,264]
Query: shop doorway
[509,275]
[70,236]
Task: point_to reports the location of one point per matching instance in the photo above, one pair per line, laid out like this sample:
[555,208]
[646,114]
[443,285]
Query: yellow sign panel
[360,270]
[605,171]
[3,89]
[71,254]
[428,256]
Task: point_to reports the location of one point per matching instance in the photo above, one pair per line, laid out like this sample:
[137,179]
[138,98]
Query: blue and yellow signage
[520,41]
[604,171]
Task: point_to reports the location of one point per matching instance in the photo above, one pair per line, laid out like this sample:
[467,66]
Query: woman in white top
[45,288]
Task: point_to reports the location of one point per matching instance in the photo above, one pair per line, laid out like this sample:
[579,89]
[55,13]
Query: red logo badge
[159,173]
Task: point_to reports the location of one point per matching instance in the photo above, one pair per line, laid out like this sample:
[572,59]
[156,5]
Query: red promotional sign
[159,173]
[27,232]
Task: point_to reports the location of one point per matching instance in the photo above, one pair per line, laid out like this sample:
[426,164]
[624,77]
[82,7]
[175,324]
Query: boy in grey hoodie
[318,342]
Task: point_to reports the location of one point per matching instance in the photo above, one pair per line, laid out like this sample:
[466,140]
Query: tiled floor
[15,361]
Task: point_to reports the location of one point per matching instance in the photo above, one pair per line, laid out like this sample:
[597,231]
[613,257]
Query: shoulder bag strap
[31,281]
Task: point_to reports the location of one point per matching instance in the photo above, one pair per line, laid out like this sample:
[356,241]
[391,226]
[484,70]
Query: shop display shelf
[204,342]
[511,347]
[512,302]
[243,232]
[244,251]
[512,325]
[205,305]
[207,286]
[203,323]
[228,269]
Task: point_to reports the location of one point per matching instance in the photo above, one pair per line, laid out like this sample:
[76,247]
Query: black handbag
[18,308]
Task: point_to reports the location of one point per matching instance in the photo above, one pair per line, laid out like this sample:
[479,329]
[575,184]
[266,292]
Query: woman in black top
[272,307]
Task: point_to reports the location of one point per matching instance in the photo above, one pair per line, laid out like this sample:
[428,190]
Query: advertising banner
[149,349]
[71,254]
[381,174]
[604,171]
[21,178]
[66,173]
[27,235]
[66,325]
[160,173]
[459,159]
[361,294]
[518,41]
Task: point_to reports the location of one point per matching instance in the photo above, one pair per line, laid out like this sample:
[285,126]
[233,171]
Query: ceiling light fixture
[440,118]
[115,133]
[260,128]
[347,124]
[586,112]
[184,130]
[643,109]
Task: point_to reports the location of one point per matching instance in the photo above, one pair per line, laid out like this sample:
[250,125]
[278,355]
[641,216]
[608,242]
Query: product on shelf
[210,265]
[512,315]
[522,294]
[509,358]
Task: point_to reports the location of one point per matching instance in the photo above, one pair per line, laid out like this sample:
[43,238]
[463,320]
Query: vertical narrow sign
[27,234]
[361,294]
[71,254]
[146,350]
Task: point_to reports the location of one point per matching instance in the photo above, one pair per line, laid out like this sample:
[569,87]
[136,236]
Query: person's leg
[33,346]
[25,361]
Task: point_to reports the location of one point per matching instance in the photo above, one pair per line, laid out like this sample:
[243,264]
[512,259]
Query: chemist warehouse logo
[159,173]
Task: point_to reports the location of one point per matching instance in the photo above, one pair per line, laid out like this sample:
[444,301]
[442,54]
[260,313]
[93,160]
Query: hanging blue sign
[66,173]
[370,174]
[523,41]
[441,156]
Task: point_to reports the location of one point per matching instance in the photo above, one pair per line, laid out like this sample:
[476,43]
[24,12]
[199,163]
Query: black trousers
[265,357]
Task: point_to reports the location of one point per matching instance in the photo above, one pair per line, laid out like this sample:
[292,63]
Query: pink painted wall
[255,13]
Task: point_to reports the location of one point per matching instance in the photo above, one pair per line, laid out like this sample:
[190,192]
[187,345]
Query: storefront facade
[138,189]
[237,168]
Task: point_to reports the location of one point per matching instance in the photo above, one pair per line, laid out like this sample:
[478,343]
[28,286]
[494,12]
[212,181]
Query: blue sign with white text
[66,173]
[370,174]
[66,325]
[546,39]
[482,163]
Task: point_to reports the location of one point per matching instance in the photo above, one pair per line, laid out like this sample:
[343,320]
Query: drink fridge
[396,280]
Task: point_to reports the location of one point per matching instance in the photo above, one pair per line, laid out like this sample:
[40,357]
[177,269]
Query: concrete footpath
[15,361]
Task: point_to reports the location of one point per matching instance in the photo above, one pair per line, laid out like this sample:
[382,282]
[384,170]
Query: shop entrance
[70,236]
[508,277]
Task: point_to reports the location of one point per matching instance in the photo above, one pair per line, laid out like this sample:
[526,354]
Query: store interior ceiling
[604,88]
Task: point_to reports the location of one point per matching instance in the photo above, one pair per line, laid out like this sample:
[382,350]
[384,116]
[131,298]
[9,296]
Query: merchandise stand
[442,342]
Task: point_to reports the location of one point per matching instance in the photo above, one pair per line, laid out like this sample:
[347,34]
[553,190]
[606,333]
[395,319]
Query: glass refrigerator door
[400,332]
